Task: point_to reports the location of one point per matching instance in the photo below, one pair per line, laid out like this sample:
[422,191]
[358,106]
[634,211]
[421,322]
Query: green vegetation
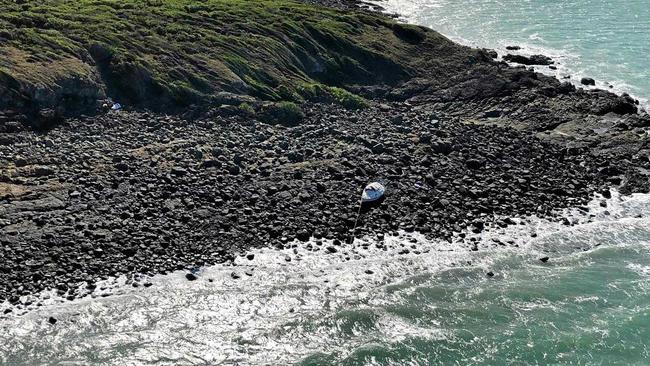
[172,53]
[332,94]
[247,109]
[284,113]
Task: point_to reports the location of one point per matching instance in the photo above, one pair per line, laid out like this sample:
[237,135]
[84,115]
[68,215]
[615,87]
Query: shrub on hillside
[283,113]
[328,94]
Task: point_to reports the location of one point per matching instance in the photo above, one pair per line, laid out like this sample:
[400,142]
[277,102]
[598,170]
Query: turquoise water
[604,39]
[588,305]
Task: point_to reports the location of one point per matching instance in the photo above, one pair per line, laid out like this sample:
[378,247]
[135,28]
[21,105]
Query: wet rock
[191,276]
[544,259]
[532,60]
[52,320]
[303,235]
[587,81]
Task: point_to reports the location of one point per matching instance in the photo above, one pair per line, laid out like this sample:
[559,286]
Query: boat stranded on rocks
[373,192]
[462,139]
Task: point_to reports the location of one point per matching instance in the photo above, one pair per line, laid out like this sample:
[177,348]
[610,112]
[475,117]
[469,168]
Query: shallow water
[589,304]
[603,39]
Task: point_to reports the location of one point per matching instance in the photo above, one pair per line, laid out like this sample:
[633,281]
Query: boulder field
[461,141]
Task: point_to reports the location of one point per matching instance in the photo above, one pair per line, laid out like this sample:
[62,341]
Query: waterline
[435,303]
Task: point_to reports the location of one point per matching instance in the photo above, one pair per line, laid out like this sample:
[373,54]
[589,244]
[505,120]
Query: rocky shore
[131,191]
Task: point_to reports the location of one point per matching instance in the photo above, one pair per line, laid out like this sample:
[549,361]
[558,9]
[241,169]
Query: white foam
[287,310]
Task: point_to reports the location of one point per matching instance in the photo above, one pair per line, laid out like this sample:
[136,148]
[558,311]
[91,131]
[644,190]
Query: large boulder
[532,60]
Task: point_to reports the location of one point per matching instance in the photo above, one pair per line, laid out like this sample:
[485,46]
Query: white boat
[373,192]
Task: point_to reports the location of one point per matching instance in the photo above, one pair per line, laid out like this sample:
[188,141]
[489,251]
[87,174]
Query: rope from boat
[356,221]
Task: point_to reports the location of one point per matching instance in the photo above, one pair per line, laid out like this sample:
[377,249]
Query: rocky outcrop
[458,137]
[525,60]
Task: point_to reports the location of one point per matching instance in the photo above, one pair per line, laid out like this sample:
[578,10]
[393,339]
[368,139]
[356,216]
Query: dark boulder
[211,163]
[587,81]
[178,171]
[532,60]
[474,163]
[441,146]
[331,249]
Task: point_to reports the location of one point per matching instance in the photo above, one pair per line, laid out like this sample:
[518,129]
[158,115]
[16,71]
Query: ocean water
[589,304]
[603,39]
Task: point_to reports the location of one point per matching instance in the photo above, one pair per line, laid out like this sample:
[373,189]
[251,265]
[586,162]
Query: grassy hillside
[172,53]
